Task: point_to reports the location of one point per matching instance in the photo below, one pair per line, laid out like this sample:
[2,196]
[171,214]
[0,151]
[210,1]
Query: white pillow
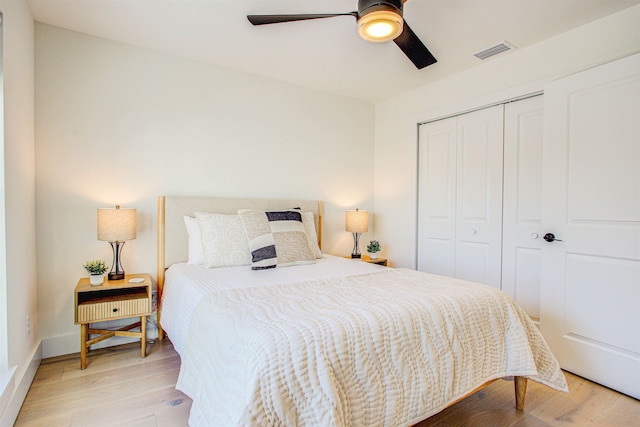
[224,241]
[196,254]
[312,236]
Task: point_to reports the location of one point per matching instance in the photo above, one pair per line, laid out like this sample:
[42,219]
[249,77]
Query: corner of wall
[7,386]
[12,393]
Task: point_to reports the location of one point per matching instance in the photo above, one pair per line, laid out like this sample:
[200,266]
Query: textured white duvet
[386,348]
[186,285]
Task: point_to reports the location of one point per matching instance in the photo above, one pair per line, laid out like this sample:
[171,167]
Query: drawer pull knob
[115,310]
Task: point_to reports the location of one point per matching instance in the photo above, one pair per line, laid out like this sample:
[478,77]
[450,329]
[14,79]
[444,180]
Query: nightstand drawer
[112,310]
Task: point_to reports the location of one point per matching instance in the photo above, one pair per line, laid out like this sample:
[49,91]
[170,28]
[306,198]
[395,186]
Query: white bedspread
[185,285]
[387,348]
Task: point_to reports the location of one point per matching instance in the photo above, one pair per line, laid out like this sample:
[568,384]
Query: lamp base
[117,272]
[356,246]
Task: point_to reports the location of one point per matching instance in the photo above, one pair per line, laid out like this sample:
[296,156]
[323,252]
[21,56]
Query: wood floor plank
[581,406]
[155,404]
[624,412]
[68,401]
[149,421]
[119,388]
[109,358]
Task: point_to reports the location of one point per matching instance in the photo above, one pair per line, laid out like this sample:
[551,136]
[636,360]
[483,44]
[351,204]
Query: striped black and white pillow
[276,238]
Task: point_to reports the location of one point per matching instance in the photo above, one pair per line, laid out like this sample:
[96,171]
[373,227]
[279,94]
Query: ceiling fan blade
[275,19]
[415,50]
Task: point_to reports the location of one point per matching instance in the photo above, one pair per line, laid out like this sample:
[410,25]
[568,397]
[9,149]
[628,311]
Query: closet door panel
[473,261]
[521,242]
[436,198]
[479,196]
[474,171]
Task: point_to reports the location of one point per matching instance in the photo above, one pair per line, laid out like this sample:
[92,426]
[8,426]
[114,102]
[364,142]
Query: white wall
[19,200]
[513,74]
[119,124]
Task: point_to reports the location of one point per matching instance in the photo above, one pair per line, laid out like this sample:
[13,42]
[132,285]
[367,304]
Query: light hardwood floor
[121,389]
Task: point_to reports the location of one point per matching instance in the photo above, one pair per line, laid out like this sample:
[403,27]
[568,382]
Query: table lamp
[115,226]
[357,222]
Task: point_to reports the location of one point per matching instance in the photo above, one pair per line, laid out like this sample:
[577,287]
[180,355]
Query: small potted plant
[96,269]
[373,248]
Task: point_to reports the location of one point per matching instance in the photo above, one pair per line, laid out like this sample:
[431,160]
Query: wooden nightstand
[367,258]
[379,261]
[114,299]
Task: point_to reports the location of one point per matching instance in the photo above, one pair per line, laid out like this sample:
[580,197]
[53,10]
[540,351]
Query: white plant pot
[373,255]
[96,279]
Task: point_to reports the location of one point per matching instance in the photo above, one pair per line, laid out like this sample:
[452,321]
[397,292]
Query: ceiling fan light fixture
[378,21]
[380,26]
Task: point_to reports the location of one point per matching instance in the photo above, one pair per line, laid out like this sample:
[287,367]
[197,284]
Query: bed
[329,341]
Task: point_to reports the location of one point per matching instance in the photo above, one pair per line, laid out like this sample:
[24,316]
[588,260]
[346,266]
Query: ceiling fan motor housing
[368,6]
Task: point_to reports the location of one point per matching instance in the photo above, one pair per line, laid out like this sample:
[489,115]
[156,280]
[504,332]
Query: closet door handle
[550,237]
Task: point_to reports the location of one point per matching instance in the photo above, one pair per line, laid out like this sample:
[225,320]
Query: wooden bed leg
[520,384]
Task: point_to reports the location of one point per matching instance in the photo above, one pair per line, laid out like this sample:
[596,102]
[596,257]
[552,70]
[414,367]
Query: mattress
[186,285]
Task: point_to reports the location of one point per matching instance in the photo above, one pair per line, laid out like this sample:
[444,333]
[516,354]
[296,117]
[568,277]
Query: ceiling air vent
[503,46]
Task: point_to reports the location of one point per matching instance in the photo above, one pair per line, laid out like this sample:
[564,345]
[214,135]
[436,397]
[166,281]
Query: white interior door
[437,197]
[479,196]
[590,287]
[522,203]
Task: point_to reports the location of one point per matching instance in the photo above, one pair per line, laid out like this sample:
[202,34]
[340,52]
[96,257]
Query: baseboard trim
[60,345]
[7,386]
[18,393]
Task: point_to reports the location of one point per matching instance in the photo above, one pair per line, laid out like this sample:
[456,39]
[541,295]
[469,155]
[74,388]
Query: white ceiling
[324,54]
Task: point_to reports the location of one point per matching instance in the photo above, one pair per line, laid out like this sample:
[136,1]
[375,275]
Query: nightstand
[114,299]
[379,261]
[367,258]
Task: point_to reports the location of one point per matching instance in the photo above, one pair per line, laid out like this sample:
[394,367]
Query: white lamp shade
[357,221]
[116,225]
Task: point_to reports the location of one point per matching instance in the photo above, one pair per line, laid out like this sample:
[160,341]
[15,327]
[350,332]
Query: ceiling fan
[378,21]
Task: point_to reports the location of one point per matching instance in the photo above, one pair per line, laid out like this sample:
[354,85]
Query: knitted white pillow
[224,241]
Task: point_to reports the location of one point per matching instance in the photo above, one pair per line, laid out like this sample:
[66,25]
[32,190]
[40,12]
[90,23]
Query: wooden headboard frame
[172,233]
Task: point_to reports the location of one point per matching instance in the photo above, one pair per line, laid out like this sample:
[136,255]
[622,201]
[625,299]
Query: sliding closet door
[479,196]
[522,206]
[437,197]
[460,196]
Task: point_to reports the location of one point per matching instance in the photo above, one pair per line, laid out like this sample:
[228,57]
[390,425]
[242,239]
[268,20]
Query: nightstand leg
[143,337]
[83,345]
